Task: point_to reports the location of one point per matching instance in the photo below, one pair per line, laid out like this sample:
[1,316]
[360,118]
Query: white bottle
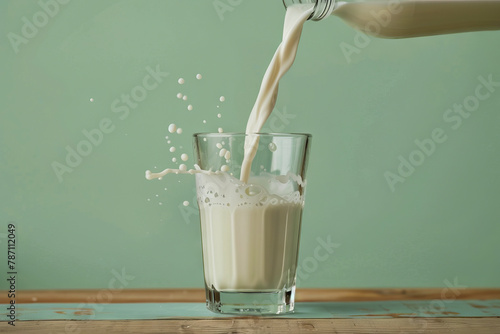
[410,18]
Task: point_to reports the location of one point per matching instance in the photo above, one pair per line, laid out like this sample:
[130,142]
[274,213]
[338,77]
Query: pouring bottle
[409,18]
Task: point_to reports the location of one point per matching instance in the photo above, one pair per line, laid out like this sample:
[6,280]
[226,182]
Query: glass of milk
[251,230]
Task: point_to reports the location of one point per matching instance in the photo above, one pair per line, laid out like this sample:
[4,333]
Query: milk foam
[222,189]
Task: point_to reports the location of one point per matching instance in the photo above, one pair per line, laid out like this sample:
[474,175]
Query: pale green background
[441,224]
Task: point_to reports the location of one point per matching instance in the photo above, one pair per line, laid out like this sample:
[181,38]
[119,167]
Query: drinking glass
[250,230]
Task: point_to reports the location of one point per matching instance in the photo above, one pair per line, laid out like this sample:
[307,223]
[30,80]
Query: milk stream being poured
[282,61]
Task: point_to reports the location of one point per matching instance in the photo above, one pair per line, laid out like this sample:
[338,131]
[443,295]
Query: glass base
[251,302]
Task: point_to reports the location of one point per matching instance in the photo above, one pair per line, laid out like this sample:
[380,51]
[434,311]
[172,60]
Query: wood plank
[262,325]
[303,310]
[198,295]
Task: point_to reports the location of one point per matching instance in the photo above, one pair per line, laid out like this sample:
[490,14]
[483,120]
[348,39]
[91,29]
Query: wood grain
[262,325]
[198,295]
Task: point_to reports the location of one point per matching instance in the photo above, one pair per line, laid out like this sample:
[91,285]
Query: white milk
[412,18]
[250,248]
[250,233]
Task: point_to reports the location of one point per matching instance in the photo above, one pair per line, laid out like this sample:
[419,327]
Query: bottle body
[411,18]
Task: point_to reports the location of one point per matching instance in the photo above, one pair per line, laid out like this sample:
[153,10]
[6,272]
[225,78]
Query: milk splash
[266,99]
[181,170]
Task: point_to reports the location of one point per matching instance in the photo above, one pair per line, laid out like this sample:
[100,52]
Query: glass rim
[242,134]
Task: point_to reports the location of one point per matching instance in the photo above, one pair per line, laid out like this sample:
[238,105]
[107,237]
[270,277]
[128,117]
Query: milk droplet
[252,191]
[219,115]
[160,203]
[272,147]
[219,145]
[222,99]
[91,100]
[227,155]
[166,137]
[198,76]
[220,130]
[224,168]
[179,95]
[184,157]
[222,152]
[183,167]
[172,149]
[185,203]
[174,159]
[181,81]
[179,131]
[204,122]
[190,107]
[185,97]
[168,141]
[172,127]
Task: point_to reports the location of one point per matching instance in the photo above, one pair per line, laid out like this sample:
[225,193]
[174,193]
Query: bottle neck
[322,8]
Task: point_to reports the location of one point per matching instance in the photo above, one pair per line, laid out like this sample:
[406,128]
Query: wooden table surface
[443,310]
